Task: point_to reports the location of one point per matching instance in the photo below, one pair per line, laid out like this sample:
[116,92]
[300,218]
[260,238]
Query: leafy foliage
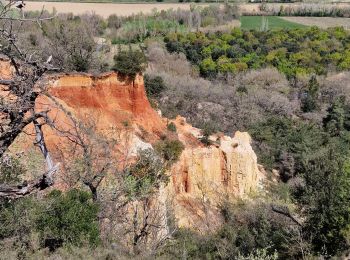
[13,223]
[286,144]
[11,169]
[294,52]
[326,199]
[310,96]
[68,218]
[171,127]
[145,176]
[130,63]
[247,228]
[154,85]
[170,150]
[59,219]
[317,155]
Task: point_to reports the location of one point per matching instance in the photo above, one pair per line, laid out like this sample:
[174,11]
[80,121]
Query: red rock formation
[199,180]
[108,96]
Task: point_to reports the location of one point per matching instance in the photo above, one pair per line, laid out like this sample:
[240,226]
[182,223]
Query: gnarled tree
[18,92]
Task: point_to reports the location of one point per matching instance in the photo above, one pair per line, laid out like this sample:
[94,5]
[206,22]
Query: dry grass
[105,9]
[322,22]
[223,28]
[255,7]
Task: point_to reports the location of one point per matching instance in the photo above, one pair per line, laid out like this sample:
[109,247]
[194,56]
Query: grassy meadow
[273,22]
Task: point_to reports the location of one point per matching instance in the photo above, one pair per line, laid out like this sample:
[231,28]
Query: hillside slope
[119,109]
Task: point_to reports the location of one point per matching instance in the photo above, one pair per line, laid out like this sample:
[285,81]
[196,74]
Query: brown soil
[323,22]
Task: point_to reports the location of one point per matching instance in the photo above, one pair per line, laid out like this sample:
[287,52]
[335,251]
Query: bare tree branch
[22,89]
[26,188]
[285,212]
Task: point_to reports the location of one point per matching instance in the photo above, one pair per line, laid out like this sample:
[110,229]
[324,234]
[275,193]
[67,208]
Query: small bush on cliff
[130,62]
[144,177]
[171,127]
[208,129]
[170,150]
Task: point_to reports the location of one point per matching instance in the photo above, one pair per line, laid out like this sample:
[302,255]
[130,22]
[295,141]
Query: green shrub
[208,129]
[250,230]
[309,100]
[17,225]
[284,144]
[170,150]
[144,177]
[17,218]
[68,218]
[172,127]
[11,169]
[129,63]
[154,85]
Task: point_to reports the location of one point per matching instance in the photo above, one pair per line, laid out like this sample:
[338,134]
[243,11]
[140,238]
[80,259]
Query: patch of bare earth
[322,22]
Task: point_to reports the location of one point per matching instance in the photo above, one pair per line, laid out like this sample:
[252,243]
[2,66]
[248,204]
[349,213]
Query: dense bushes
[326,199]
[313,160]
[68,218]
[295,52]
[280,143]
[58,219]
[248,227]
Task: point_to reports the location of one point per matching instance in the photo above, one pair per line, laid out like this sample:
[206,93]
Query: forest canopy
[293,52]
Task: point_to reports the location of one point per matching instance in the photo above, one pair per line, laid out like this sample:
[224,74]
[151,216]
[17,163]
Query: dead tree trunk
[41,143]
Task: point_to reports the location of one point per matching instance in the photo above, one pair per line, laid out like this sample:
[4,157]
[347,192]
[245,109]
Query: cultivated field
[274,22]
[104,9]
[322,22]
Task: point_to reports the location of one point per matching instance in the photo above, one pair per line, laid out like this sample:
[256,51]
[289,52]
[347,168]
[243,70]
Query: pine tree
[309,99]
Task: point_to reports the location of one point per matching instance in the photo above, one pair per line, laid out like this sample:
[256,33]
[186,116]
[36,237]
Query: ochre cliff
[203,176]
[109,97]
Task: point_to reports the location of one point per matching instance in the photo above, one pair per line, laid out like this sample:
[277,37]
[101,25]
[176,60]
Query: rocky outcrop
[203,176]
[111,98]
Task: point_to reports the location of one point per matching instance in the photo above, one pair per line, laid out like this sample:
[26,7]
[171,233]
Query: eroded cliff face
[109,97]
[206,176]
[203,176]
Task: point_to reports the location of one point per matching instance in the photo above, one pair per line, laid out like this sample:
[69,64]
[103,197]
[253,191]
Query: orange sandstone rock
[203,176]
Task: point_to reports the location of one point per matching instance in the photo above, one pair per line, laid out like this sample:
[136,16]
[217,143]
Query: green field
[273,22]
